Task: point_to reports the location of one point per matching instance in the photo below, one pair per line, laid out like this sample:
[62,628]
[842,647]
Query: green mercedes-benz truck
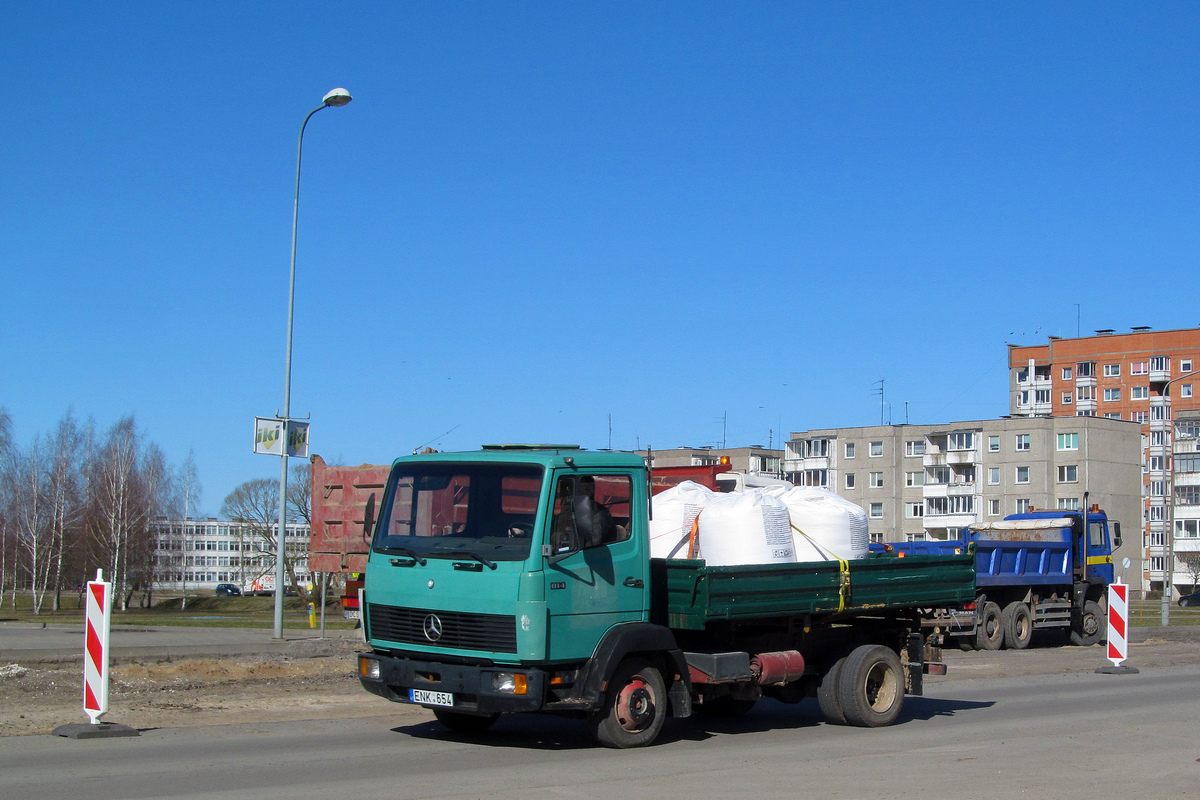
[519,579]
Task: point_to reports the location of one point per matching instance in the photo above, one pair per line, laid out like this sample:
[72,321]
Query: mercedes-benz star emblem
[433,628]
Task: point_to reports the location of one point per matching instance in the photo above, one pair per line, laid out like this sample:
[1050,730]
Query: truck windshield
[444,510]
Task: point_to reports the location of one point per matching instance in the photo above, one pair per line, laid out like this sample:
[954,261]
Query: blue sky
[537,215]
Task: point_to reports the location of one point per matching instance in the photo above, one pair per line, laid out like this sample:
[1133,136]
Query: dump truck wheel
[871,686]
[1018,625]
[1090,627]
[990,635]
[635,706]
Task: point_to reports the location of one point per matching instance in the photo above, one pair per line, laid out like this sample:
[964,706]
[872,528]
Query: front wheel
[1090,626]
[460,722]
[871,686]
[635,706]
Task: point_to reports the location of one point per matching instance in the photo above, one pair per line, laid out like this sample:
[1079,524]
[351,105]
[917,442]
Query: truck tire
[1018,625]
[460,722]
[1090,627]
[871,686]
[827,694]
[990,635]
[634,708]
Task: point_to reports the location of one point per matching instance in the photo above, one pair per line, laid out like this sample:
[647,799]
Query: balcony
[947,520]
[1186,478]
[1160,375]
[960,488]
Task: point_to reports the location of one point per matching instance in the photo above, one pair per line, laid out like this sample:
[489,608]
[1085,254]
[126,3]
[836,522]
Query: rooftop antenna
[881,403]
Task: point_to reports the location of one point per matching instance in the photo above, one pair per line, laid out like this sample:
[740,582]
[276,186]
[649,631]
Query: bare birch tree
[35,535]
[187,494]
[7,563]
[256,503]
[64,470]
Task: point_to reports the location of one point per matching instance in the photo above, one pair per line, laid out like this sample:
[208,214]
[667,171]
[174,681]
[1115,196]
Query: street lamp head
[337,98]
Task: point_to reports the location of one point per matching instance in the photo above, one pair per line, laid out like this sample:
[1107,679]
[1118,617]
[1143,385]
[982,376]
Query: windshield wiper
[404,551]
[469,554]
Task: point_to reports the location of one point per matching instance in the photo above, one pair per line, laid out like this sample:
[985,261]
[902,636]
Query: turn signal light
[368,668]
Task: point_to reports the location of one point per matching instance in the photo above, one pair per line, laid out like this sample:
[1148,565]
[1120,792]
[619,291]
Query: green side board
[697,593]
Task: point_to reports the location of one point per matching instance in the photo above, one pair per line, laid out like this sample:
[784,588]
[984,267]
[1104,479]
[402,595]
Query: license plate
[351,614]
[427,698]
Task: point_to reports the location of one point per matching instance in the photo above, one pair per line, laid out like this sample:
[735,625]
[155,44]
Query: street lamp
[1169,510]
[335,99]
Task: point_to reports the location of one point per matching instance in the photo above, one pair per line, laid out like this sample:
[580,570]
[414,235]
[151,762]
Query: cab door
[605,582]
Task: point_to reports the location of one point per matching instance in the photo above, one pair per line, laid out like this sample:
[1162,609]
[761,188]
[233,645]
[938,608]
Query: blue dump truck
[1039,570]
[518,579]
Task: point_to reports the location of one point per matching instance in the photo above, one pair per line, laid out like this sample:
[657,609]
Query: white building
[199,554]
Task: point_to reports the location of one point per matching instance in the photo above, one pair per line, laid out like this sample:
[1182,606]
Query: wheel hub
[635,705]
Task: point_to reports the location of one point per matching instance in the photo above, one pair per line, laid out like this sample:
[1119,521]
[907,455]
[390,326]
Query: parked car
[228,590]
[1192,599]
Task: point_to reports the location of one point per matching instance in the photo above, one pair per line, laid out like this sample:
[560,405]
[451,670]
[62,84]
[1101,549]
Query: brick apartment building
[1146,377]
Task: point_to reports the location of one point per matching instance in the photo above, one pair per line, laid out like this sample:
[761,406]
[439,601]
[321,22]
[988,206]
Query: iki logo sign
[269,437]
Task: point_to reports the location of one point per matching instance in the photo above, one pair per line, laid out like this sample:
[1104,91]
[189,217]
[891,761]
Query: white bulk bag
[745,528]
[837,526]
[674,511]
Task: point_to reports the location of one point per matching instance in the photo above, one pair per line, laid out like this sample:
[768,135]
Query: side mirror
[369,519]
[1116,534]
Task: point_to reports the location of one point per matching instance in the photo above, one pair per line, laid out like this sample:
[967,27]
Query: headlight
[368,668]
[509,682]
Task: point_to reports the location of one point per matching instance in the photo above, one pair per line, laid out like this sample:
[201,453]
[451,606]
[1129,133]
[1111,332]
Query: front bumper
[471,685]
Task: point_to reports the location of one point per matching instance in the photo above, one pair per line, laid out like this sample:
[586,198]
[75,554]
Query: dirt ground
[277,688]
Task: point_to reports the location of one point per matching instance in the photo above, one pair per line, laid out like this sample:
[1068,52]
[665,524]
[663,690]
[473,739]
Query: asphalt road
[1062,736]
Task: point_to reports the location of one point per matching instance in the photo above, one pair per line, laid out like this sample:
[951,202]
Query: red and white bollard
[95,667]
[1118,630]
[95,654]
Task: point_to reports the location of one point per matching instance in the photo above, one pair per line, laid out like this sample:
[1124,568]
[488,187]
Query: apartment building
[931,481]
[1146,377]
[199,554]
[755,459]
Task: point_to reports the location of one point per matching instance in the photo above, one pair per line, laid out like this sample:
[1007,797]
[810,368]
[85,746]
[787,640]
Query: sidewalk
[37,643]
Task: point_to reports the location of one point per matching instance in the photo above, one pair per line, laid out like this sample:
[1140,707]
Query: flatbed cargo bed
[696,594]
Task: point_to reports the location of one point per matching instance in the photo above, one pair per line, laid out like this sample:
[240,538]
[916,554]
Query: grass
[1148,614]
[201,611]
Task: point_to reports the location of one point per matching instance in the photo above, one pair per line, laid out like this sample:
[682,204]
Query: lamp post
[335,99]
[1169,511]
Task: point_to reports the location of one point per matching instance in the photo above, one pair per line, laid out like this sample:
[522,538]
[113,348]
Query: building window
[1187,496]
[1022,398]
[962,504]
[1139,416]
[1088,413]
[1112,394]
[1187,462]
[1158,438]
[1068,441]
[1068,473]
[993,476]
[1185,365]
[1022,375]
[876,480]
[1041,396]
[876,449]
[964,440]
[1156,463]
[914,510]
[876,510]
[1187,529]
[993,508]
[936,507]
[1156,563]
[1023,505]
[815,477]
[1138,368]
[1160,364]
[849,480]
[1139,392]
[939,475]
[1022,442]
[1068,503]
[1086,369]
[849,449]
[914,478]
[1185,390]
[1112,415]
[1066,373]
[1085,393]
[1159,413]
[1022,475]
[1066,398]
[916,448]
[993,444]
[1158,513]
[1112,370]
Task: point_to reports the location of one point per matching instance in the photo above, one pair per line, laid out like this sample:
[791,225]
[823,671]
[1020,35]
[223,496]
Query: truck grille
[494,632]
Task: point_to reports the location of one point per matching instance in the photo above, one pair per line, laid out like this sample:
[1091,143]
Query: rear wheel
[827,694]
[635,706]
[990,635]
[1018,625]
[871,686]
[460,722]
[1088,629]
